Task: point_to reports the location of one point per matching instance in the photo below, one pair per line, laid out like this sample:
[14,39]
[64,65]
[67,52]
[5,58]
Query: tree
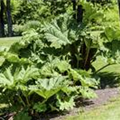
[2,7]
[9,18]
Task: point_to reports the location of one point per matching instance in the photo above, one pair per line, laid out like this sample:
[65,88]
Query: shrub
[18,30]
[46,70]
[36,79]
[32,25]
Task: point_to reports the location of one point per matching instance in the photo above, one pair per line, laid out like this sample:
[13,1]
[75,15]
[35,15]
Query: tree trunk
[80,14]
[9,19]
[2,34]
[74,8]
[119,7]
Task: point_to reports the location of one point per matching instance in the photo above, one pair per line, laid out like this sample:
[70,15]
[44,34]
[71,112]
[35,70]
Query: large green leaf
[66,104]
[6,78]
[111,52]
[13,76]
[14,58]
[48,87]
[112,33]
[91,12]
[23,75]
[85,81]
[56,36]
[63,66]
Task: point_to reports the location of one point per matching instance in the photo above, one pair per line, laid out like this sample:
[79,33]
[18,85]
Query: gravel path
[104,95]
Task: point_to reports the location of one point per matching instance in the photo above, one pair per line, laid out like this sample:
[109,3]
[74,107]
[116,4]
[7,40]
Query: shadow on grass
[109,80]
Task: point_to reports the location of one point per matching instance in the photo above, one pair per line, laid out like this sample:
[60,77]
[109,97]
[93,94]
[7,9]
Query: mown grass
[8,41]
[110,111]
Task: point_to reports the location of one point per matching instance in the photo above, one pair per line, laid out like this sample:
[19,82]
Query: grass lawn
[8,41]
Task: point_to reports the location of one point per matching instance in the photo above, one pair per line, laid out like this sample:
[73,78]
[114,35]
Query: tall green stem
[102,68]
[86,58]
[21,100]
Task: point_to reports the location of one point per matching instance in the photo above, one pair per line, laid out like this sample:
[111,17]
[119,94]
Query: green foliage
[48,87]
[46,69]
[38,69]
[79,41]
[110,51]
[18,30]
[26,10]
[31,25]
[66,104]
[38,87]
[109,46]
[56,36]
[40,107]
[22,116]
[35,87]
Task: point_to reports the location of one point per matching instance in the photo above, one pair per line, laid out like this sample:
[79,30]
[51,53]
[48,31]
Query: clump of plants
[34,79]
[47,69]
